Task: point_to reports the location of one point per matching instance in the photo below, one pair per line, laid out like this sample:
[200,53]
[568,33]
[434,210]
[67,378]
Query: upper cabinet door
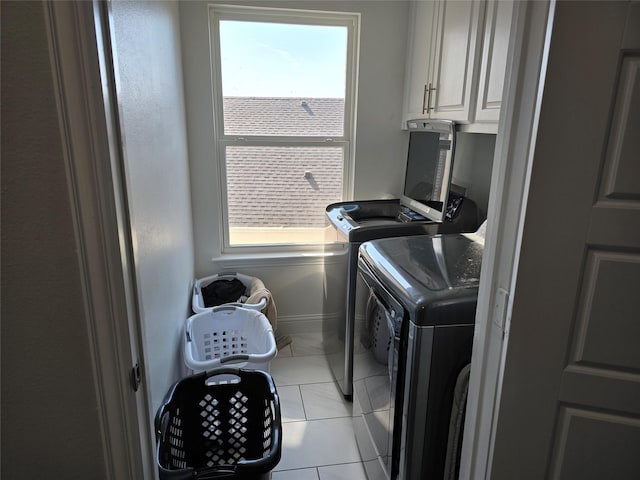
[497,27]
[454,71]
[422,23]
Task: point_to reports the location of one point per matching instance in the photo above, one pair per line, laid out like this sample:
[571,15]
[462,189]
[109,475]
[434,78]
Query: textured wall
[50,423]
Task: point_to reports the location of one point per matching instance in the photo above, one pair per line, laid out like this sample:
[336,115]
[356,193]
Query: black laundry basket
[224,423]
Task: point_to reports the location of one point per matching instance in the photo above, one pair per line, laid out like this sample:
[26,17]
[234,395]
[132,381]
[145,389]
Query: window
[284,83]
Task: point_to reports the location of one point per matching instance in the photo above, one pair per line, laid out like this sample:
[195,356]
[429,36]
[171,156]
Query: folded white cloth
[256,293]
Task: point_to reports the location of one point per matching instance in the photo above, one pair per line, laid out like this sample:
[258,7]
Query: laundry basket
[198,303]
[229,336]
[220,424]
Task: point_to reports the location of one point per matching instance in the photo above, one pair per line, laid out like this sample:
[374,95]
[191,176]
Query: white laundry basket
[197,300]
[229,335]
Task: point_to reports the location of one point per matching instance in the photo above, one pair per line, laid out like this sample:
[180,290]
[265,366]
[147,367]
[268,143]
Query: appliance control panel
[408,215]
[453,206]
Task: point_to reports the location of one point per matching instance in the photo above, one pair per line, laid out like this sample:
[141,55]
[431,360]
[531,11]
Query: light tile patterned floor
[318,439]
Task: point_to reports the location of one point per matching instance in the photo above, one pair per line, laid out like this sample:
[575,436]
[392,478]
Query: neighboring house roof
[284,116]
[270,186]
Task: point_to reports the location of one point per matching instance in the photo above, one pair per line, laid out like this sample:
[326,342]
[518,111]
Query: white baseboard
[297,324]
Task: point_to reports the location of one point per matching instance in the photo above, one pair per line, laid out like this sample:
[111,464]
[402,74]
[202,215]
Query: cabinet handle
[430,89]
[424,100]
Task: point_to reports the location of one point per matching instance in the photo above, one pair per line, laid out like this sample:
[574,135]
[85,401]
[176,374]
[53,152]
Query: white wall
[50,413]
[151,108]
[297,285]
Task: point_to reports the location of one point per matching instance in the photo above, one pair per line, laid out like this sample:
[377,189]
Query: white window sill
[322,254]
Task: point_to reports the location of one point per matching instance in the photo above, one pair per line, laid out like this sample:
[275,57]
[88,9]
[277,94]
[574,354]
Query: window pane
[278,195]
[283,79]
[293,117]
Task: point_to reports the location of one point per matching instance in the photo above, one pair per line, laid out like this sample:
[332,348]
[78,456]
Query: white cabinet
[450,94]
[422,23]
[456,59]
[497,27]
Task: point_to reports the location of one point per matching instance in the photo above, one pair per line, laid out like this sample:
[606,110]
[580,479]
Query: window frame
[222,140]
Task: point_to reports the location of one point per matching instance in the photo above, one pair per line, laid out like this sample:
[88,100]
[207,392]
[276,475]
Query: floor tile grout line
[339,464]
[298,384]
[310,383]
[302,355]
[304,410]
[317,467]
[320,419]
[340,396]
[346,403]
[320,383]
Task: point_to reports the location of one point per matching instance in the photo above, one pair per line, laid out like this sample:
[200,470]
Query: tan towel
[256,293]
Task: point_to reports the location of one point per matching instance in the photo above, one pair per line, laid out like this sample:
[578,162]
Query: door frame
[82,66]
[526,66]
[80,54]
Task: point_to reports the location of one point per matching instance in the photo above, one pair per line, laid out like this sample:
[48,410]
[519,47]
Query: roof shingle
[317,117]
[282,186]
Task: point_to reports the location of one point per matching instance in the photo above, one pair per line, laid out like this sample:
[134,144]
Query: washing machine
[413,363]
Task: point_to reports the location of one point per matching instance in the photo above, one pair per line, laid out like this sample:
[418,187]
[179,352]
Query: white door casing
[526,66]
[570,398]
[80,57]
[604,265]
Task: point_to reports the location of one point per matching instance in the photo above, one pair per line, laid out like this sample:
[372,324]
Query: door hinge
[136,377]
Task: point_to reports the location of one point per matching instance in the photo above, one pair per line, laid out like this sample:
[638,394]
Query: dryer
[413,357]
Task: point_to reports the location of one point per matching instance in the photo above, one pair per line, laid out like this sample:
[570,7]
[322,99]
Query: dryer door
[376,378]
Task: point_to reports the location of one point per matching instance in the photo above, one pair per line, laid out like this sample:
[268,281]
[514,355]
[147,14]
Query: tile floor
[318,439]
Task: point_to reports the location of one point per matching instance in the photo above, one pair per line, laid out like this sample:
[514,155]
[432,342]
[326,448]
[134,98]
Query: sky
[282,60]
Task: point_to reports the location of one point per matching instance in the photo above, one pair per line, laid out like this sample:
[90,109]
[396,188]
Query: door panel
[584,437]
[621,179]
[608,328]
[598,387]
[422,26]
[570,404]
[456,45]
